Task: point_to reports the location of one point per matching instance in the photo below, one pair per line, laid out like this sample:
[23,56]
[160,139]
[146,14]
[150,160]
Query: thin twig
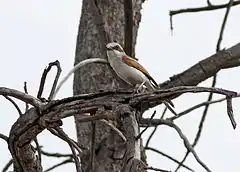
[169,107]
[209,3]
[59,70]
[80,64]
[187,144]
[76,159]
[167,156]
[21,96]
[6,167]
[38,148]
[26,91]
[187,111]
[229,5]
[230,112]
[57,131]
[14,104]
[57,155]
[44,76]
[164,112]
[200,127]
[156,169]
[2,136]
[140,134]
[115,129]
[59,164]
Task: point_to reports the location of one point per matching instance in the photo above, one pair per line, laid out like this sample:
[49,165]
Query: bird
[130,71]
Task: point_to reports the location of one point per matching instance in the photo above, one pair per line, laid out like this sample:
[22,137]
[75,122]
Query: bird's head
[113,46]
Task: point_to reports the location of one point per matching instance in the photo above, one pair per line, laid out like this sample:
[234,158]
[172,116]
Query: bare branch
[21,96]
[158,95]
[10,162]
[114,129]
[182,136]
[200,127]
[195,107]
[230,112]
[26,91]
[140,134]
[229,5]
[169,157]
[57,131]
[157,169]
[59,164]
[59,70]
[76,159]
[44,75]
[204,69]
[38,148]
[80,64]
[14,104]
[57,155]
[2,136]
[213,85]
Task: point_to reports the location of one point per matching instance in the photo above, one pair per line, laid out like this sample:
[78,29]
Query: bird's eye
[118,48]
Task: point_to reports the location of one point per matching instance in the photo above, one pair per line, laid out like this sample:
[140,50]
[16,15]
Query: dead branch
[14,104]
[10,162]
[180,133]
[2,136]
[204,69]
[155,128]
[30,124]
[80,64]
[169,157]
[187,111]
[44,76]
[59,164]
[156,169]
[229,5]
[21,96]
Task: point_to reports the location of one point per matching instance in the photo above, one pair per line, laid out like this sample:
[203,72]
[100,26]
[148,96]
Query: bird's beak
[109,48]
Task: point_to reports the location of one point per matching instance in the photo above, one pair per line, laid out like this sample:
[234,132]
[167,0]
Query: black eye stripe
[116,47]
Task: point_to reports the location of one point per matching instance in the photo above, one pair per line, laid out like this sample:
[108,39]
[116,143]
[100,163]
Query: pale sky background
[34,33]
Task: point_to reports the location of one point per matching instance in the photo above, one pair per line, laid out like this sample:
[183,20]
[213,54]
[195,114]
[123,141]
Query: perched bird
[129,70]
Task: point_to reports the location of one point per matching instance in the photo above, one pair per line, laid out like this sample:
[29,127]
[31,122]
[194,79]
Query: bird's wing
[133,63]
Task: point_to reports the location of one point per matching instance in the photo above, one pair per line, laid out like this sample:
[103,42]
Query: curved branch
[2,136]
[30,124]
[21,96]
[80,64]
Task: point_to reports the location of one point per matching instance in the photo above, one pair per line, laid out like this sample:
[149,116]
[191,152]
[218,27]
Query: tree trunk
[109,154]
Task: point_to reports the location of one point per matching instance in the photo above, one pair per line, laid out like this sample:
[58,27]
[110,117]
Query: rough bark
[96,16]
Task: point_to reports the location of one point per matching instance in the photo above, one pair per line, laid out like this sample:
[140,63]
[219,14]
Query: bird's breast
[129,74]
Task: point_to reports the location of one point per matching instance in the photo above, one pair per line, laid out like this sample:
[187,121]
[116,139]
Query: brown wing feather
[133,63]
